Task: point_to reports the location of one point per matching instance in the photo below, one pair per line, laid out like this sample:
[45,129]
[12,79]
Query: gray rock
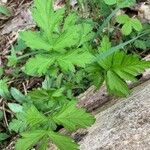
[123,124]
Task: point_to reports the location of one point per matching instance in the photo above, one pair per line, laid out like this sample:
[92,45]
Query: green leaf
[105,44]
[33,66]
[45,16]
[40,95]
[127,28]
[73,118]
[17,125]
[4,92]
[131,64]
[29,139]
[34,117]
[110,2]
[117,66]
[122,18]
[17,95]
[128,24]
[136,24]
[69,21]
[4,10]
[12,60]
[126,3]
[43,144]
[79,57]
[96,74]
[62,142]
[3,136]
[115,85]
[47,83]
[141,44]
[35,40]
[20,45]
[15,107]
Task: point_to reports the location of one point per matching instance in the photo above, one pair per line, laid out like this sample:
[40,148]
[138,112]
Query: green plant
[116,69]
[4,10]
[125,3]
[128,24]
[59,51]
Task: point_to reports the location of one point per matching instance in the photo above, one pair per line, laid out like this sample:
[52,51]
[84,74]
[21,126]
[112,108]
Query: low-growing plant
[63,52]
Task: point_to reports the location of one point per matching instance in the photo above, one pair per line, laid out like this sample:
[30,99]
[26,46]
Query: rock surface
[123,124]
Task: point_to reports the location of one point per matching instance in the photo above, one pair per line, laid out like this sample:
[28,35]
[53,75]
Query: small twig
[1,108]
[24,88]
[5,118]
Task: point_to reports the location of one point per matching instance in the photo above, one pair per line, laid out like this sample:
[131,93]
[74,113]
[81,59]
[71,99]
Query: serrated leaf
[132,64]
[118,66]
[127,28]
[17,95]
[115,85]
[128,24]
[140,44]
[17,125]
[45,16]
[105,44]
[16,108]
[4,92]
[43,144]
[136,24]
[79,57]
[34,117]
[72,117]
[63,142]
[69,21]
[35,40]
[33,66]
[3,136]
[29,139]
[96,74]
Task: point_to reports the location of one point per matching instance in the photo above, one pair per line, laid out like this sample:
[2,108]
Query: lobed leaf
[73,118]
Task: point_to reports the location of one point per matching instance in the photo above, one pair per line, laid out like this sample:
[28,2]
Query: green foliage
[31,138]
[141,44]
[72,118]
[64,52]
[19,124]
[122,3]
[68,115]
[116,69]
[17,95]
[128,24]
[4,92]
[3,136]
[4,10]
[16,108]
[61,44]
[62,142]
